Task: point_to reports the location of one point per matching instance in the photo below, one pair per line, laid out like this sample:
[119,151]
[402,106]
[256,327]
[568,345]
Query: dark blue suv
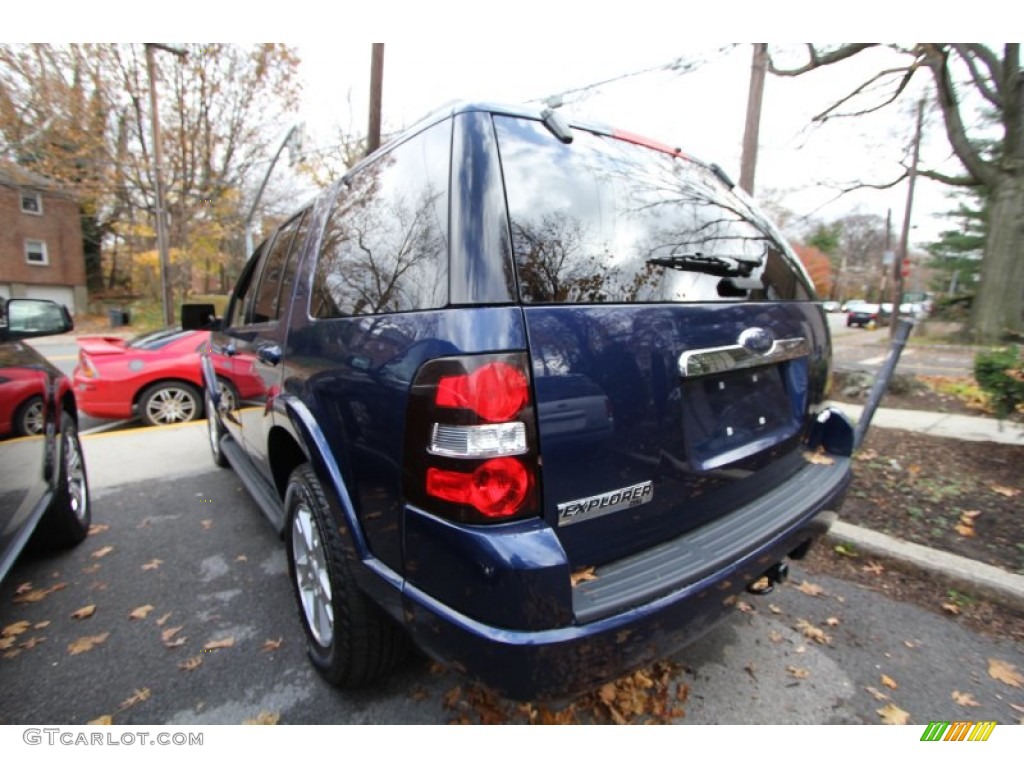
[541,398]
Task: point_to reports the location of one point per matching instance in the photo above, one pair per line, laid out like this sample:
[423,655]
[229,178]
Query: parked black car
[537,396]
[44,489]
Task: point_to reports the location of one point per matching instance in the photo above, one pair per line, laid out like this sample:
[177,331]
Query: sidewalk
[116,458]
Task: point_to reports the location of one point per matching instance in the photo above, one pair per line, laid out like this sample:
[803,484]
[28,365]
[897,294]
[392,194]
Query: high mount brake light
[471,439]
[495,392]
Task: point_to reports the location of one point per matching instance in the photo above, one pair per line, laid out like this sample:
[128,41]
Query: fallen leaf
[241,559]
[35,595]
[452,697]
[964,530]
[893,715]
[102,720]
[877,693]
[12,653]
[225,642]
[23,588]
[914,469]
[888,682]
[909,644]
[798,672]
[189,664]
[167,634]
[774,609]
[745,607]
[952,608]
[812,632]
[140,695]
[774,636]
[32,642]
[177,642]
[965,699]
[810,589]
[761,585]
[846,550]
[832,621]
[153,564]
[98,528]
[90,569]
[1004,491]
[874,568]
[818,458]
[103,551]
[163,619]
[7,642]
[141,612]
[264,718]
[272,645]
[17,628]
[41,625]
[84,612]
[207,524]
[83,644]
[581,575]
[970,514]
[607,693]
[1005,672]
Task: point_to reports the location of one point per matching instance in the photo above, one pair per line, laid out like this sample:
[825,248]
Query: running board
[270,505]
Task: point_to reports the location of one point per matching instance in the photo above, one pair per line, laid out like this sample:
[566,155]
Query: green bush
[1000,372]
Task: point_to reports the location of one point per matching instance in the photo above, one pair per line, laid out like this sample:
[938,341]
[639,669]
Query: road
[181,544]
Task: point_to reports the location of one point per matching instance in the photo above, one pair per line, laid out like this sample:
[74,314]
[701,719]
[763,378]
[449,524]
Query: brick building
[40,240]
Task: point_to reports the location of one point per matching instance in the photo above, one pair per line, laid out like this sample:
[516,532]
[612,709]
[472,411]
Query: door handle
[270,354]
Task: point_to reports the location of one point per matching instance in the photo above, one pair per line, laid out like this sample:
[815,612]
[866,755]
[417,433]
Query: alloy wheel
[312,578]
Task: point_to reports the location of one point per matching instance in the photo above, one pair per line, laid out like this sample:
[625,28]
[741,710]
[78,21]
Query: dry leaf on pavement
[810,589]
[102,720]
[832,621]
[189,664]
[893,715]
[877,693]
[163,619]
[103,551]
[798,672]
[1004,491]
[1005,672]
[207,524]
[35,595]
[874,568]
[141,612]
[965,699]
[83,644]
[581,575]
[225,642]
[32,642]
[17,628]
[23,588]
[812,632]
[140,695]
[272,645]
[167,637]
[952,608]
[774,609]
[84,612]
[153,564]
[100,528]
[264,718]
[888,682]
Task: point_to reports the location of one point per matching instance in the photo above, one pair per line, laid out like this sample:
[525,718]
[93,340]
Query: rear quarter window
[385,245]
[605,220]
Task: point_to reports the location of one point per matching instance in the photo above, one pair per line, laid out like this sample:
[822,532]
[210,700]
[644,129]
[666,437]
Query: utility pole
[166,296]
[752,128]
[903,262]
[376,89]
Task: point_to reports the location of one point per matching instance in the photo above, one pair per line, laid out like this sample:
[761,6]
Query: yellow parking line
[137,430]
[62,357]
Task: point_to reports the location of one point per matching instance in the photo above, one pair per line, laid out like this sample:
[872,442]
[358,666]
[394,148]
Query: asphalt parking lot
[193,622]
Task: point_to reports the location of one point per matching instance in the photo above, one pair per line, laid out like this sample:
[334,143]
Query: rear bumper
[637,610]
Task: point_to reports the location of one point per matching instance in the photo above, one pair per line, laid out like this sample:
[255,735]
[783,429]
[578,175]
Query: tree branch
[937,59]
[908,74]
[953,181]
[820,59]
[984,87]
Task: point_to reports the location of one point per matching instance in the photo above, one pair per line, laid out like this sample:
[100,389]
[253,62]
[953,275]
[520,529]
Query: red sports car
[155,376]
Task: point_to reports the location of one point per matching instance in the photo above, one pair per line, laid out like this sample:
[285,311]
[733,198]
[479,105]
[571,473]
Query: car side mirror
[27,318]
[199,317]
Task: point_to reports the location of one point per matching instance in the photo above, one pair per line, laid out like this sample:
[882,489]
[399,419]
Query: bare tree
[968,79]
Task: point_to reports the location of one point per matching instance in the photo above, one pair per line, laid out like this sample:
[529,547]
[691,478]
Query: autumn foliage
[818,266]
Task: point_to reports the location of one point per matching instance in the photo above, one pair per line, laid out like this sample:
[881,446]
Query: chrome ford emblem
[757,340]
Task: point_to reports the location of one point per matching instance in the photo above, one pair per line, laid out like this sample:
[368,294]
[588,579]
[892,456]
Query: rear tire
[66,522]
[349,639]
[170,402]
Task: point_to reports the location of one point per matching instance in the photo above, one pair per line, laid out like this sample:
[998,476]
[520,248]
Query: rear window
[605,220]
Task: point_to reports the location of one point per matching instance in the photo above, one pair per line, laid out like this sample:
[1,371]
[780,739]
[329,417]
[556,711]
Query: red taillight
[88,369]
[497,488]
[471,439]
[495,392]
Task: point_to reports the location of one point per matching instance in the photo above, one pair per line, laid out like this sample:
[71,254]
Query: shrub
[1000,372]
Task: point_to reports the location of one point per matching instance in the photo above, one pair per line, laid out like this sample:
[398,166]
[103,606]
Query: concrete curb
[971,428]
[961,573]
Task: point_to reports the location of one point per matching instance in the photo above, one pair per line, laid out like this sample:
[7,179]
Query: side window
[266,305]
[237,311]
[385,246]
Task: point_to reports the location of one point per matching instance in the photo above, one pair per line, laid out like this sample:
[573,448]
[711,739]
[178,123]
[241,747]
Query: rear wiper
[722,266]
